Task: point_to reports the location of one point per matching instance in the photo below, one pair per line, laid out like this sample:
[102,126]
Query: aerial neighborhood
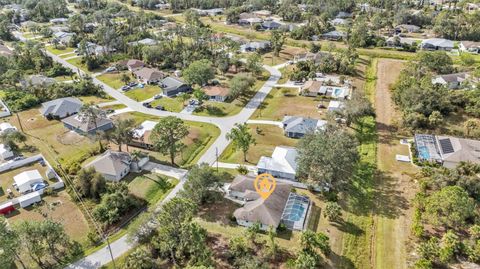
[142,134]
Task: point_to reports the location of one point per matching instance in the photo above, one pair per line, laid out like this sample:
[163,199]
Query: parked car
[133,83]
[159,107]
[298,83]
[109,111]
[111,69]
[38,186]
[147,105]
[194,102]
[158,96]
[125,88]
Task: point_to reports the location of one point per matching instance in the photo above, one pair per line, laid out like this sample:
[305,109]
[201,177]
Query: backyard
[286,101]
[267,138]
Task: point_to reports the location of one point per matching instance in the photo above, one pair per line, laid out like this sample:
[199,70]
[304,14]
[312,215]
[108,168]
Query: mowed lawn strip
[267,138]
[141,94]
[286,101]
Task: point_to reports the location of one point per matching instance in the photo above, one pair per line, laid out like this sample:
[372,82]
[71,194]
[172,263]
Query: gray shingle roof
[61,107]
[171,83]
[111,163]
[301,125]
[87,124]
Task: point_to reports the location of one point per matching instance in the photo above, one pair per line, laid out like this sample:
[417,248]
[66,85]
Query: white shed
[5,152]
[29,199]
[24,180]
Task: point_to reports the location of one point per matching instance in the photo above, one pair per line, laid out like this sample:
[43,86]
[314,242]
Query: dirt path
[394,189]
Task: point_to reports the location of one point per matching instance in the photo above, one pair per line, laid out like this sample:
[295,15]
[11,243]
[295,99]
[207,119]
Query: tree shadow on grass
[348,227]
[339,262]
[391,200]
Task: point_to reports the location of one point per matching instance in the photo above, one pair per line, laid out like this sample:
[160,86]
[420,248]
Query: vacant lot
[174,104]
[114,80]
[141,94]
[282,102]
[59,50]
[285,55]
[149,186]
[267,138]
[395,188]
[58,207]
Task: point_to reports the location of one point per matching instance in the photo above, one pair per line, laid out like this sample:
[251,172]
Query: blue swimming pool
[423,152]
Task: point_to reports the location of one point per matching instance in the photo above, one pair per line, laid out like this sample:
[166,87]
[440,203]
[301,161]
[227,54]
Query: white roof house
[437,44]
[335,105]
[282,164]
[6,127]
[5,152]
[146,126]
[24,180]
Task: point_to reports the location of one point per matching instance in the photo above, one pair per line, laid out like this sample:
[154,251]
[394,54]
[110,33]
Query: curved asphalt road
[225,124]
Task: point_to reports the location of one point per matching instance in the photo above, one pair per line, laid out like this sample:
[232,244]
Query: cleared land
[282,101]
[267,138]
[395,190]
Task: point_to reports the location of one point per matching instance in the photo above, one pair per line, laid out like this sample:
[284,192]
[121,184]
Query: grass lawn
[96,99]
[285,55]
[58,51]
[200,137]
[114,79]
[267,139]
[63,56]
[78,63]
[147,187]
[66,78]
[286,71]
[58,207]
[277,104]
[173,104]
[140,94]
[114,107]
[51,138]
[230,108]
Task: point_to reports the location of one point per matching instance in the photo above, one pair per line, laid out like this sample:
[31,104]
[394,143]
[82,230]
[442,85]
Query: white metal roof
[27,177]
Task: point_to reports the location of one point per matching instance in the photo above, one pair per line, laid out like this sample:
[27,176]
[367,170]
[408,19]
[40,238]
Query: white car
[111,69]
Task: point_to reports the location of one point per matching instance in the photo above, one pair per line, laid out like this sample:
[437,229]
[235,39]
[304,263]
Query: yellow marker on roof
[265,185]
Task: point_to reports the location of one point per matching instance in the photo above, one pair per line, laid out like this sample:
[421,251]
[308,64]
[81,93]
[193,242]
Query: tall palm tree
[90,112]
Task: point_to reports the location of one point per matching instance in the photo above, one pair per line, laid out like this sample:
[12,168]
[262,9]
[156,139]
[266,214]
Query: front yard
[114,79]
[59,50]
[200,137]
[281,102]
[230,108]
[141,94]
[267,138]
[149,186]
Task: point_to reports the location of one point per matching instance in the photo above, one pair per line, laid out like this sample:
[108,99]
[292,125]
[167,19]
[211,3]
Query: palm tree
[90,112]
[241,138]
[123,133]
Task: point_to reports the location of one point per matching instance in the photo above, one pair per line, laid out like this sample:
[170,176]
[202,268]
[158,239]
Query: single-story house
[262,13]
[339,22]
[297,127]
[311,88]
[309,56]
[63,38]
[271,25]
[113,165]
[396,41]
[172,86]
[209,12]
[144,42]
[6,127]
[437,44]
[469,46]
[282,164]
[334,35]
[84,124]
[335,105]
[344,15]
[446,150]
[216,93]
[5,152]
[141,135]
[338,92]
[29,199]
[282,206]
[255,46]
[94,49]
[148,75]
[38,81]
[134,65]
[5,51]
[61,108]
[23,182]
[451,81]
[59,20]
[408,28]
[248,19]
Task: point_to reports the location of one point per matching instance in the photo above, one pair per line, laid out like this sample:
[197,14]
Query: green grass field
[173,104]
[114,80]
[140,94]
[58,51]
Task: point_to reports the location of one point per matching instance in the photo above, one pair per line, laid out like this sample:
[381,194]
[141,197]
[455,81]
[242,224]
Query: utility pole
[216,157]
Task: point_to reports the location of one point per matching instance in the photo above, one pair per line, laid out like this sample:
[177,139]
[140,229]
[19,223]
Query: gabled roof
[61,106]
[450,78]
[133,63]
[266,211]
[111,163]
[312,86]
[334,34]
[283,160]
[301,125]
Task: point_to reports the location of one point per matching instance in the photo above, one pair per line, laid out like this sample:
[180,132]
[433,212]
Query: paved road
[225,124]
